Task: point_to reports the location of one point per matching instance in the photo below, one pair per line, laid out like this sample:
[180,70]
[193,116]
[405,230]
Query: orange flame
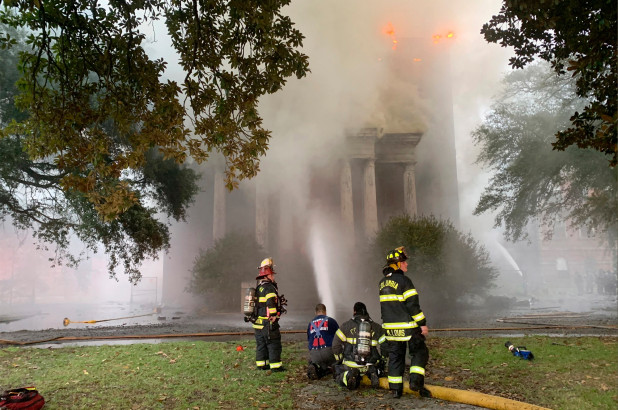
[438,37]
[390,31]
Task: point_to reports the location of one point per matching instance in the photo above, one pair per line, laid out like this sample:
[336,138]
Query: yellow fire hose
[67,321]
[464,396]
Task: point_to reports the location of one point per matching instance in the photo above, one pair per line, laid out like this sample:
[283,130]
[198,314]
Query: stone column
[218,221]
[409,189]
[347,203]
[261,215]
[369,199]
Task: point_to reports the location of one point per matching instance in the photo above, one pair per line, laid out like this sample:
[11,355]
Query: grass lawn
[567,373]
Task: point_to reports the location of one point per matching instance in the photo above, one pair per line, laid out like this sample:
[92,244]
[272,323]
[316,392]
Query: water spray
[319,257]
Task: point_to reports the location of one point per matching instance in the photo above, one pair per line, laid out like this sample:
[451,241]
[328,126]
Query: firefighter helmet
[395,257]
[266,268]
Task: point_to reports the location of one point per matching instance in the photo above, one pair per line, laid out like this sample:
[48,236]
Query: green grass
[175,375]
[567,373]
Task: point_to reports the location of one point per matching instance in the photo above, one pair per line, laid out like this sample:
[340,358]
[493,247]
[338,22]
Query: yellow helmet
[267,262]
[266,268]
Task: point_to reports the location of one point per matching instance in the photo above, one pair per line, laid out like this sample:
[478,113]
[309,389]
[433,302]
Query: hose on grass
[464,396]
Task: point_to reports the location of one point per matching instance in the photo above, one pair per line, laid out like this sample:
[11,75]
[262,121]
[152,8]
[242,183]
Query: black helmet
[396,256]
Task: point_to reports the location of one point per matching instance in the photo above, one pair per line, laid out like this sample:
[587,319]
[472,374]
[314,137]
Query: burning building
[399,159]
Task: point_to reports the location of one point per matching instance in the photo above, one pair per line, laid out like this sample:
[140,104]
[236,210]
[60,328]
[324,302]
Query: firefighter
[320,334]
[356,347]
[404,325]
[266,326]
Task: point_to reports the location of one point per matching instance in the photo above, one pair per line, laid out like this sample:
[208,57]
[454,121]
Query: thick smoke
[351,86]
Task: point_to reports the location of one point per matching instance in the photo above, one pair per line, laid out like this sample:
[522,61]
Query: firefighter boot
[312,372]
[423,392]
[397,393]
[374,377]
[352,379]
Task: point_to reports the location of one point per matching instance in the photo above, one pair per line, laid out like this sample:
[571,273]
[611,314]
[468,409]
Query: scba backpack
[23,398]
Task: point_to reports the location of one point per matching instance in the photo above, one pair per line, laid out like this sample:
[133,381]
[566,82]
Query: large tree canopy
[91,138]
[530,181]
[574,35]
[97,102]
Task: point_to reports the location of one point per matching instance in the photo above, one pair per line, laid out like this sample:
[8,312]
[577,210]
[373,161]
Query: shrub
[218,272]
[448,267]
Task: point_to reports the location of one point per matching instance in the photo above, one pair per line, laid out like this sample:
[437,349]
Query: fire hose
[67,321]
[464,396]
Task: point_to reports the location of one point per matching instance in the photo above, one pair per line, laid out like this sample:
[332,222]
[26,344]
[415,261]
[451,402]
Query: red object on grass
[239,348]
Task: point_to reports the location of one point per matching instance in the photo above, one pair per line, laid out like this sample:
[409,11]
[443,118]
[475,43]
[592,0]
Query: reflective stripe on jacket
[399,303]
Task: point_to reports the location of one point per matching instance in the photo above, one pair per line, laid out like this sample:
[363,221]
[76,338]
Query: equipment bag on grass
[23,398]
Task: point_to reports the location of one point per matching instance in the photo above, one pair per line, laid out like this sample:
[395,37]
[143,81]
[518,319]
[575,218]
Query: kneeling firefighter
[268,309]
[356,346]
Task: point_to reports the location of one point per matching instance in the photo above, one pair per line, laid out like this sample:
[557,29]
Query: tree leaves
[104,128]
[530,181]
[581,36]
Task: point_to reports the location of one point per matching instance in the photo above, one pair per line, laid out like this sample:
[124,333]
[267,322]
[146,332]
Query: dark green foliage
[9,75]
[447,266]
[86,66]
[532,182]
[93,133]
[31,195]
[577,36]
[173,186]
[218,272]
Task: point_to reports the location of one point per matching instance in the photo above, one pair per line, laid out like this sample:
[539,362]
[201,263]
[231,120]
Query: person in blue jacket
[320,333]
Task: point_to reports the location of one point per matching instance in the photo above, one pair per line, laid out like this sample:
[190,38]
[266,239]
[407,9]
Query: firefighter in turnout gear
[266,326]
[404,325]
[356,346]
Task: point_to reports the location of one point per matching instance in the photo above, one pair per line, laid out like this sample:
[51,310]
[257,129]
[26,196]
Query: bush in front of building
[449,268]
[218,272]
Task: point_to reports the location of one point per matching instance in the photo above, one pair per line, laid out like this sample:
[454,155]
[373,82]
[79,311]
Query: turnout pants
[419,356]
[268,346]
[323,359]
